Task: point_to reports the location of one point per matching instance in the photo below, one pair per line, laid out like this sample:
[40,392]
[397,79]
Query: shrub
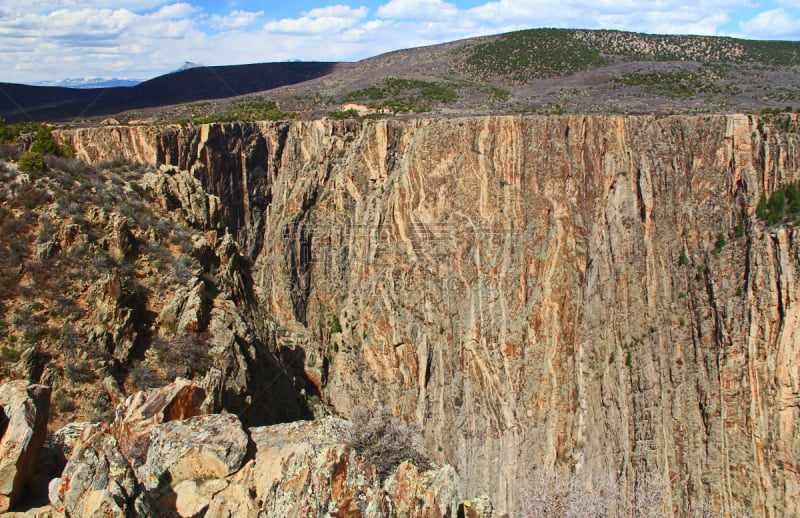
[31,161]
[64,403]
[180,267]
[385,442]
[544,494]
[7,134]
[80,372]
[719,243]
[784,202]
[183,355]
[143,377]
[45,143]
[343,114]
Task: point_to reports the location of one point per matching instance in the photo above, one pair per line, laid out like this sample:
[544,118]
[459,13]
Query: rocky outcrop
[23,425]
[140,412]
[537,291]
[202,447]
[97,481]
[178,190]
[307,469]
[210,465]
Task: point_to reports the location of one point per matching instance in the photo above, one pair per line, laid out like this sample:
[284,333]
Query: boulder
[24,427]
[140,412]
[202,447]
[97,481]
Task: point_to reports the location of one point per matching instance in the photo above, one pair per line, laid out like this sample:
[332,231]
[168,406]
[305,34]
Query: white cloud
[34,6]
[323,20]
[235,19]
[421,10]
[775,23]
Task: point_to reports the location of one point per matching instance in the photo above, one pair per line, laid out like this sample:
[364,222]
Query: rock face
[537,291]
[23,425]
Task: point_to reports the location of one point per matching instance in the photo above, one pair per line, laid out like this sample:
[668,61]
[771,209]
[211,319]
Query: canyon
[591,294]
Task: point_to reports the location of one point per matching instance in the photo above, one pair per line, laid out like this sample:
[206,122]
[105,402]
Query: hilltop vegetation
[532,54]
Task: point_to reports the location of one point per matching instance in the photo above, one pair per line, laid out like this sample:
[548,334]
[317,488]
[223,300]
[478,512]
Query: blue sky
[139,39]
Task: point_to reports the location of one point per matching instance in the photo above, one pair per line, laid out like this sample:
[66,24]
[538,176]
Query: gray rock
[97,480]
[209,446]
[23,428]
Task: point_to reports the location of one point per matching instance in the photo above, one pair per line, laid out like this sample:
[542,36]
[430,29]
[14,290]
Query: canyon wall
[568,292]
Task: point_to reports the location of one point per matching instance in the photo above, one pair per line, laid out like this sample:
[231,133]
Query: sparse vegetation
[248,109]
[379,437]
[405,95]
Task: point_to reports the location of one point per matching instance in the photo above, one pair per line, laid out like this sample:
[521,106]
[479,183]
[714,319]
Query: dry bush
[184,355]
[385,442]
[143,377]
[545,494]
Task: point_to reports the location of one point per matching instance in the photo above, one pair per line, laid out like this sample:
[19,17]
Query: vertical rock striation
[537,291]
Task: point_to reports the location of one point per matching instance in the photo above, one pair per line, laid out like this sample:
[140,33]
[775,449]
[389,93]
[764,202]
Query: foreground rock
[137,415]
[202,447]
[306,469]
[23,426]
[198,467]
[97,481]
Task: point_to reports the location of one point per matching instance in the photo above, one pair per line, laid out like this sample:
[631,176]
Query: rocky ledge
[163,455]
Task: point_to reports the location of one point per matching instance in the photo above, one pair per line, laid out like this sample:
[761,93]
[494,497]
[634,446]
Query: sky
[46,40]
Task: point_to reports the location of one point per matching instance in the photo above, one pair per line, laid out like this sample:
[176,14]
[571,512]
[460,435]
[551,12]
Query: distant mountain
[24,102]
[90,82]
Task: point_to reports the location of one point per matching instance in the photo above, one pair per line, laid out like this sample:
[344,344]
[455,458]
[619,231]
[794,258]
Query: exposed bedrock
[536,291]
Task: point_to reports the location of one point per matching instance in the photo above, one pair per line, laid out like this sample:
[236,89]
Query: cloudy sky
[138,39]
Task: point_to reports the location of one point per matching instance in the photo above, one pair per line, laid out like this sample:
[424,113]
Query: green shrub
[336,326]
[7,134]
[719,243]
[343,114]
[530,54]
[45,143]
[31,161]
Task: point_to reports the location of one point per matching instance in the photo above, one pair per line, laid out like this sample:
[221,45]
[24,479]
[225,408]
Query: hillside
[37,103]
[534,71]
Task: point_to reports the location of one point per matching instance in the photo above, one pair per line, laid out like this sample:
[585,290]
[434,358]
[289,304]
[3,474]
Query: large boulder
[140,412]
[97,481]
[23,426]
[202,447]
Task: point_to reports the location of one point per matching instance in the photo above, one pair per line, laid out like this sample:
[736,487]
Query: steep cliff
[537,291]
